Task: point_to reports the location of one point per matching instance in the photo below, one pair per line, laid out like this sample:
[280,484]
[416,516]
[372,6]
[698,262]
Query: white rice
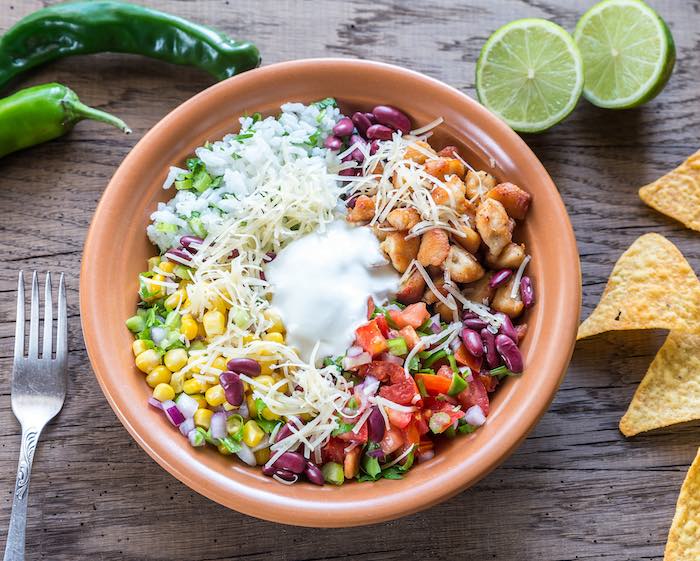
[299,131]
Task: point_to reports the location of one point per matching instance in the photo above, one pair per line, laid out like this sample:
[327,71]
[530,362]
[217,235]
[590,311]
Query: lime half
[628,53]
[530,74]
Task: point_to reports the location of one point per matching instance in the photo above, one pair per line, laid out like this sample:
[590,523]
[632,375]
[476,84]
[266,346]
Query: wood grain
[576,489]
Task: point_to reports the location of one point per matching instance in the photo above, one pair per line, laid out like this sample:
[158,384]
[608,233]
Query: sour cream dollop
[321,283]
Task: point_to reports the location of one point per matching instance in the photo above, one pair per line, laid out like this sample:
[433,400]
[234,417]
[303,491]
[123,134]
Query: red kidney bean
[372,119]
[507,327]
[313,474]
[374,146]
[527,293]
[509,352]
[392,117]
[333,143]
[357,139]
[235,253]
[188,241]
[357,154]
[269,470]
[181,253]
[376,426]
[286,475]
[284,432]
[362,123]
[270,255]
[244,366]
[233,387]
[350,203]
[490,348]
[291,461]
[380,132]
[469,315]
[500,278]
[344,127]
[474,323]
[521,330]
[350,172]
[472,341]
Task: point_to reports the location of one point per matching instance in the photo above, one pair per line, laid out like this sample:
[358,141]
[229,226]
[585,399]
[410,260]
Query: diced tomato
[370,307]
[439,403]
[446,372]
[383,326]
[420,423]
[434,384]
[475,394]
[370,338]
[381,370]
[411,434]
[398,419]
[465,358]
[334,451]
[402,391]
[360,436]
[414,315]
[410,336]
[392,441]
[490,382]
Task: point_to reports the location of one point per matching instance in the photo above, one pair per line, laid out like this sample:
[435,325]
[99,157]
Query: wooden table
[576,489]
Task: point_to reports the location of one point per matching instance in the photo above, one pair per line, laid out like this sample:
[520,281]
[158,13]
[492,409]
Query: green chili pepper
[79,28]
[42,113]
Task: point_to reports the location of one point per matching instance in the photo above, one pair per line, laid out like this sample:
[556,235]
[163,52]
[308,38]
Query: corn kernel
[277,325]
[215,396]
[269,415]
[219,304]
[252,433]
[202,418]
[229,407]
[201,401]
[139,346]
[189,327]
[175,299]
[266,367]
[214,323]
[252,408]
[191,360]
[166,266]
[265,380]
[219,363]
[273,337]
[192,386]
[176,381]
[175,359]
[249,338]
[153,262]
[223,450]
[147,360]
[262,456]
[163,392]
[159,375]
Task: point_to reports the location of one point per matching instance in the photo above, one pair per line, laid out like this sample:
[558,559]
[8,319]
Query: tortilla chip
[677,194]
[684,536]
[670,390]
[652,286]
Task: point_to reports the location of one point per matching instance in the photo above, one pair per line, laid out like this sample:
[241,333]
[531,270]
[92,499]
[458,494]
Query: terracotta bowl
[117,235]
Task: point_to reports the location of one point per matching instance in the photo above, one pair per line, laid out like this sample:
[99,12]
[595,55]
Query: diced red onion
[455,344]
[192,437]
[187,405]
[354,351]
[368,388]
[187,426]
[173,413]
[218,425]
[388,357]
[153,402]
[350,363]
[475,416]
[435,324]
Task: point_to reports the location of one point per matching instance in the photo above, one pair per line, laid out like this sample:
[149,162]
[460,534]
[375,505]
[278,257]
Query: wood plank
[575,489]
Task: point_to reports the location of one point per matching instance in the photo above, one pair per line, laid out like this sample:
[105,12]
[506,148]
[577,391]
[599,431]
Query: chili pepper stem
[77,111]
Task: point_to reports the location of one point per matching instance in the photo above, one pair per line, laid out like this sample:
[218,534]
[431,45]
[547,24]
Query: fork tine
[19,321]
[34,318]
[62,330]
[48,319]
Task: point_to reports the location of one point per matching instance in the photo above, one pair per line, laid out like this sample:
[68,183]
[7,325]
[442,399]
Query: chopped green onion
[136,323]
[231,445]
[333,473]
[398,346]
[199,437]
[466,428]
[183,184]
[501,371]
[234,427]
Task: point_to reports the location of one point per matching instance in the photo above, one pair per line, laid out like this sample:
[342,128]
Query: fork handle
[14,548]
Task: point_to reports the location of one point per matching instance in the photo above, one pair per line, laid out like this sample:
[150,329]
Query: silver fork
[38,392]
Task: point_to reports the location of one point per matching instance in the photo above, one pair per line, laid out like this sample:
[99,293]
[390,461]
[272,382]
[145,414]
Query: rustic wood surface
[576,489]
